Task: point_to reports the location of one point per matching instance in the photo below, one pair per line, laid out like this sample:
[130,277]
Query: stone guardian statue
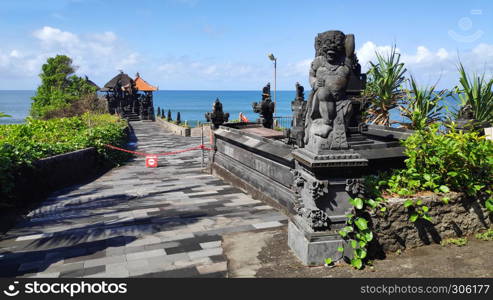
[328,107]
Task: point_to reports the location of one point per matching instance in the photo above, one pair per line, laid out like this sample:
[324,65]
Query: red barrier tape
[203,147]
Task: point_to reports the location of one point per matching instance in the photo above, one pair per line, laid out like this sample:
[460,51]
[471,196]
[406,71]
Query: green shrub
[22,144]
[485,236]
[477,92]
[384,86]
[438,162]
[455,160]
[421,106]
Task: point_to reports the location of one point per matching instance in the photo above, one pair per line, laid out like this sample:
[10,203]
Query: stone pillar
[323,185]
[217,117]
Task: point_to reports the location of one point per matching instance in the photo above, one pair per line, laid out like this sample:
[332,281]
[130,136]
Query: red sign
[151,161]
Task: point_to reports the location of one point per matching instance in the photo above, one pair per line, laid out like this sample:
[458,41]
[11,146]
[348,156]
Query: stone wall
[55,172]
[175,129]
[197,132]
[260,166]
[460,217]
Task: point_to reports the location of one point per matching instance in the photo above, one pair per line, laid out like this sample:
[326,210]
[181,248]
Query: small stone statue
[298,106]
[300,92]
[266,91]
[466,113]
[465,118]
[217,116]
[265,108]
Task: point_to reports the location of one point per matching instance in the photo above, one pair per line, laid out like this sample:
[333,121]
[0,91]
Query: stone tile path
[136,221]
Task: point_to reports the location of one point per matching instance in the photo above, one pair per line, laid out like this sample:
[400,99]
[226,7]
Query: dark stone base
[312,248]
[254,183]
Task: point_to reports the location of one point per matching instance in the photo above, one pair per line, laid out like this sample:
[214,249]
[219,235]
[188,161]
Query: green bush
[455,160]
[477,92]
[438,162]
[22,144]
[421,106]
[384,86]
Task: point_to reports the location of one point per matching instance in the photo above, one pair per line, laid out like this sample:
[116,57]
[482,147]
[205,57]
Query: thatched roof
[121,78]
[92,83]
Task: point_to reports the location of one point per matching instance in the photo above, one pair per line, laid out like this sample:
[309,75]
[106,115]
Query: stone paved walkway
[136,221]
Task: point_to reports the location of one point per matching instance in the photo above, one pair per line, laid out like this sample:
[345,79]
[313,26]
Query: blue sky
[207,44]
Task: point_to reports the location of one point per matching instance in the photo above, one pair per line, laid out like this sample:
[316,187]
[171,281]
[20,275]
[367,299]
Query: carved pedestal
[323,185]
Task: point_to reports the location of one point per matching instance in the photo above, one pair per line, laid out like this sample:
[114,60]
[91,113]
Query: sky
[223,45]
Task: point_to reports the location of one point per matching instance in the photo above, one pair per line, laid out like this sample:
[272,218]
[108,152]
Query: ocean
[192,105]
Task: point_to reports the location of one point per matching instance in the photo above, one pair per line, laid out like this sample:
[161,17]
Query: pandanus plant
[421,106]
[477,93]
[384,88]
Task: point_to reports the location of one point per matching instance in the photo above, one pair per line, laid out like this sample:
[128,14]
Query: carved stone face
[330,44]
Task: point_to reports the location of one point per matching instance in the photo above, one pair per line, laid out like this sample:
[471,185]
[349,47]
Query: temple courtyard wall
[461,216]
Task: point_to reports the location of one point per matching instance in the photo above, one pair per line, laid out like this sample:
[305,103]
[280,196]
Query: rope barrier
[202,146]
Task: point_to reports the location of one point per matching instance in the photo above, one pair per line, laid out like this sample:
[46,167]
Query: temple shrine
[130,98]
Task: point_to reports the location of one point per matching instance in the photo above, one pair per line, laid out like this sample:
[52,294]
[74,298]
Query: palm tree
[421,106]
[2,115]
[477,93]
[384,86]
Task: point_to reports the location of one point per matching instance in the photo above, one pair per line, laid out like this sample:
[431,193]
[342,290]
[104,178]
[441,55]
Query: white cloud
[99,55]
[105,37]
[425,64]
[300,68]
[50,36]
[442,53]
[186,68]
[130,60]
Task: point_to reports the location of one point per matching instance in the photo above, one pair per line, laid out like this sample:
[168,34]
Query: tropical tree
[477,93]
[384,87]
[59,86]
[420,106]
[2,115]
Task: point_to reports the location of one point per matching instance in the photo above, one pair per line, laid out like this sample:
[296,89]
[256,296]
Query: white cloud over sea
[101,54]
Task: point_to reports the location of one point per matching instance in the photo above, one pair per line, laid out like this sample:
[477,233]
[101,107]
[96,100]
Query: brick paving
[136,221]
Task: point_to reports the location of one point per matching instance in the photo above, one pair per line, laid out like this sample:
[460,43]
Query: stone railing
[174,128]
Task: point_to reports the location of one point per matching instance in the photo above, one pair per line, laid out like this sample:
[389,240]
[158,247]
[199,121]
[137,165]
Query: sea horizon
[192,104]
[160,90]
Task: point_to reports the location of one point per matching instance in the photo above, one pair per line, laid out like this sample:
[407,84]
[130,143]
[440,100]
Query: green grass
[454,241]
[485,236]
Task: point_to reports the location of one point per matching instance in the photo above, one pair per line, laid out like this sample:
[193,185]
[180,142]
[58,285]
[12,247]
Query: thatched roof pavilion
[121,79]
